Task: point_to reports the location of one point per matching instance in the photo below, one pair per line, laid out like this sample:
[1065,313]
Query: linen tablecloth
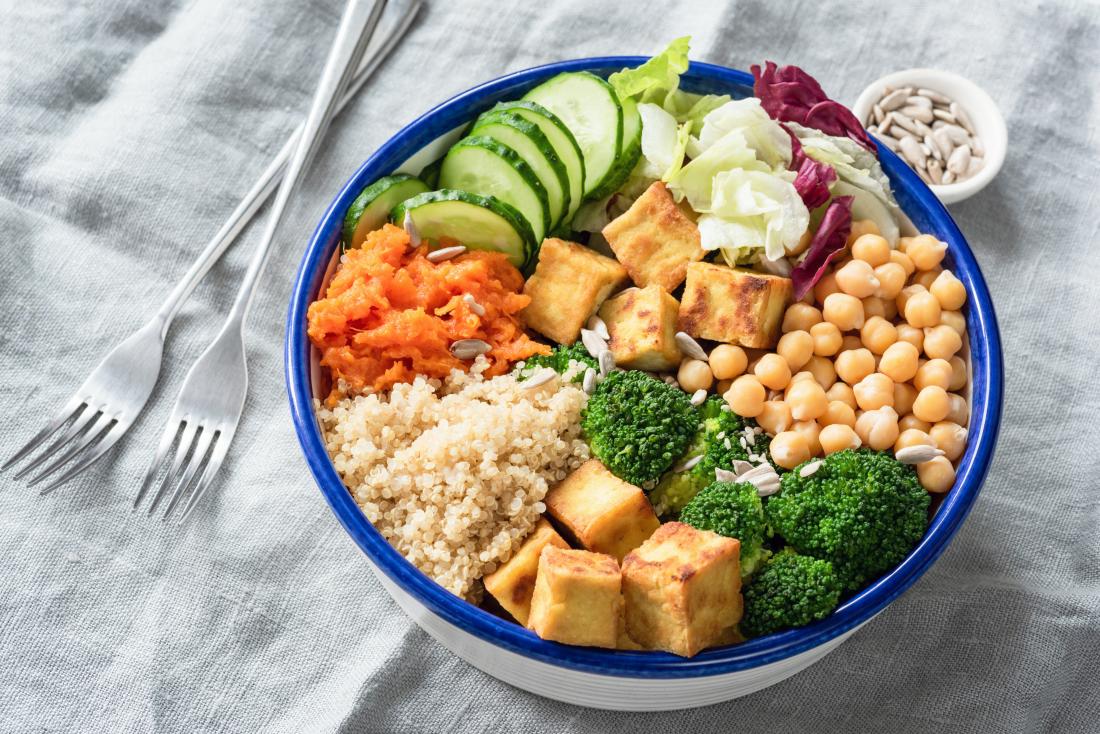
[128,131]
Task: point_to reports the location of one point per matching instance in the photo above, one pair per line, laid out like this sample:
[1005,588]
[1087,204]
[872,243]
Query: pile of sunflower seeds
[930,131]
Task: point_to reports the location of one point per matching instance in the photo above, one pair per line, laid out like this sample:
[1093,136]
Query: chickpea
[810,431]
[936,475]
[837,437]
[925,278]
[903,243]
[932,404]
[857,278]
[904,395]
[723,386]
[854,364]
[878,334]
[775,417]
[861,227]
[851,341]
[789,449]
[843,393]
[933,372]
[912,437]
[807,400]
[891,279]
[753,361]
[803,375]
[746,396]
[694,374]
[796,347]
[728,361]
[874,391]
[838,412]
[823,371]
[922,309]
[960,411]
[800,317]
[911,334]
[827,339]
[906,293]
[948,290]
[873,306]
[955,320]
[825,287]
[843,310]
[912,421]
[925,251]
[958,374]
[941,342]
[773,371]
[899,361]
[872,249]
[950,438]
[906,262]
[878,428]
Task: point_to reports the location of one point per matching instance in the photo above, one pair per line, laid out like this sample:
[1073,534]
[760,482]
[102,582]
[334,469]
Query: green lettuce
[657,81]
[753,210]
[765,136]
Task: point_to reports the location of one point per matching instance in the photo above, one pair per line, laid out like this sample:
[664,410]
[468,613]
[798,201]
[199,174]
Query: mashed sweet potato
[390,314]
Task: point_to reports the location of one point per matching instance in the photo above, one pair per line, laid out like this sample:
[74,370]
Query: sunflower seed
[541,377]
[474,305]
[887,122]
[470,348]
[810,469]
[724,475]
[916,112]
[598,325]
[942,138]
[959,161]
[607,362]
[962,117]
[411,230]
[894,99]
[935,171]
[889,142]
[688,465]
[933,149]
[975,166]
[589,381]
[918,100]
[935,97]
[956,134]
[944,116]
[446,253]
[948,178]
[670,380]
[698,397]
[878,113]
[976,147]
[917,454]
[593,342]
[911,151]
[689,346]
[904,122]
[924,176]
[922,129]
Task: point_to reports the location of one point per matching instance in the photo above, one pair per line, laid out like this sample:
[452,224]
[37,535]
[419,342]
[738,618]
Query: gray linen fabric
[128,131]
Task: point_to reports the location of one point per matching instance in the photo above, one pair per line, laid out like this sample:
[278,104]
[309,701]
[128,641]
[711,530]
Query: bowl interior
[422,142]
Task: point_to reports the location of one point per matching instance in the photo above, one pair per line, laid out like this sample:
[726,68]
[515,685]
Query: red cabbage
[812,182]
[829,241]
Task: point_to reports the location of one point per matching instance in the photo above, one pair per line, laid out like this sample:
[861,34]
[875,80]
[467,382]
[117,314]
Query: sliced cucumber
[429,174]
[563,141]
[479,222]
[629,152]
[590,109]
[527,139]
[371,208]
[484,166]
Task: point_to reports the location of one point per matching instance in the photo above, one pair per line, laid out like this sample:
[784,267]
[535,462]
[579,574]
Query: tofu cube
[734,305]
[602,512]
[682,590]
[578,598]
[513,583]
[655,240]
[642,326]
[568,286]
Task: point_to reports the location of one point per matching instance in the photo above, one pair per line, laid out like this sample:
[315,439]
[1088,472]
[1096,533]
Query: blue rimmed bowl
[627,680]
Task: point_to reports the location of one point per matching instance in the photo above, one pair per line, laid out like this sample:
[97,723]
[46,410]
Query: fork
[104,407]
[211,401]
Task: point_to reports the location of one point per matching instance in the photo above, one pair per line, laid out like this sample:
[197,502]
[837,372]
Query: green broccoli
[559,360]
[718,441]
[790,590]
[637,425]
[862,510]
[732,509]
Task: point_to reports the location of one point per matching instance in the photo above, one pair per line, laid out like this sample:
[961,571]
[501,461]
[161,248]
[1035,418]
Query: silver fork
[105,406]
[211,400]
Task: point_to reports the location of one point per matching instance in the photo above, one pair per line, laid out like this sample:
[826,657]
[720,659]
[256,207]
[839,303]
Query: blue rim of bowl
[916,199]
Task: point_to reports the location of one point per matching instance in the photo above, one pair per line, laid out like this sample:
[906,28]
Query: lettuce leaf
[756,209]
[852,162]
[766,137]
[696,180]
[653,80]
[663,143]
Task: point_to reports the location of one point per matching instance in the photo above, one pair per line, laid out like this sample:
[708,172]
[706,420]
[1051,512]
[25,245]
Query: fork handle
[263,187]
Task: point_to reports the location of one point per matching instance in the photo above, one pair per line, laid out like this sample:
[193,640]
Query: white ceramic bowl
[986,117]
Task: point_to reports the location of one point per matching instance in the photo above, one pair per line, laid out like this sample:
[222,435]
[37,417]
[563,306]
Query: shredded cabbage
[758,208]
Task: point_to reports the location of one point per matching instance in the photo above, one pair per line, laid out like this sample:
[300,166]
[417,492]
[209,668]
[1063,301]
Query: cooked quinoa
[453,473]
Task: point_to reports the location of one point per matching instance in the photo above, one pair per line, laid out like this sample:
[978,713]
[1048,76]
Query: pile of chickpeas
[869,358]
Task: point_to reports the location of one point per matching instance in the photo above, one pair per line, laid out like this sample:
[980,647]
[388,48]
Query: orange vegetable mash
[390,314]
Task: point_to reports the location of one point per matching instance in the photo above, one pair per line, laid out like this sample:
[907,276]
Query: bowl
[989,124]
[625,680]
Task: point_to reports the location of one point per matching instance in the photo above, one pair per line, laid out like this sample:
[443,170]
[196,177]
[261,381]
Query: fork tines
[200,450]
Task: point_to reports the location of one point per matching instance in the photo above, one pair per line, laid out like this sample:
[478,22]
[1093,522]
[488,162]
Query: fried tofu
[568,286]
[682,590]
[642,326]
[602,512]
[734,305]
[578,598]
[513,583]
[655,240]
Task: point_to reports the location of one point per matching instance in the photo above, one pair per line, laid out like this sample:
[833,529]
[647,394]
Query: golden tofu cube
[734,305]
[568,285]
[655,240]
[578,598]
[602,512]
[682,590]
[642,326]
[513,583]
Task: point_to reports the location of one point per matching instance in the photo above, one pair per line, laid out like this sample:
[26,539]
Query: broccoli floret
[559,360]
[637,425]
[790,590]
[862,510]
[732,509]
[718,441]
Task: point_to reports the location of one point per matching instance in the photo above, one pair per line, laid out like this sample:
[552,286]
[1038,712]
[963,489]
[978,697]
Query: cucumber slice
[563,141]
[484,166]
[429,174]
[479,222]
[629,153]
[590,109]
[527,139]
[371,208]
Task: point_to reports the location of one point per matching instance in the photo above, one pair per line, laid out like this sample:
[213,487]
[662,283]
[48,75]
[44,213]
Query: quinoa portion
[453,472]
